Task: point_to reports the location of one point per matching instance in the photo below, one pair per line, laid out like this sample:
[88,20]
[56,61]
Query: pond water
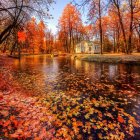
[91,100]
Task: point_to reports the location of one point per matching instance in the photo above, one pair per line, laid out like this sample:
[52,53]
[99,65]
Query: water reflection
[98,72]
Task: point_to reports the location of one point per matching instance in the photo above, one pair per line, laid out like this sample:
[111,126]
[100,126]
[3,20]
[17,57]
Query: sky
[56,11]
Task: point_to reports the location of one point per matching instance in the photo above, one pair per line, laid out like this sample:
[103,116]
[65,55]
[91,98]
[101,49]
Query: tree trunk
[130,28]
[100,27]
[121,24]
[114,42]
[13,49]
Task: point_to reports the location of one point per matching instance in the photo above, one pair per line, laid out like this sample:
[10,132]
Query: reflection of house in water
[78,64]
[113,69]
[88,47]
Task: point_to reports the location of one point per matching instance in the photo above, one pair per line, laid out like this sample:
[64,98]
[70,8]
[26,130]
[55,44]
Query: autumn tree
[70,25]
[41,37]
[37,36]
[136,28]
[96,9]
[114,29]
[133,8]
[49,39]
[32,32]
[126,9]
[15,13]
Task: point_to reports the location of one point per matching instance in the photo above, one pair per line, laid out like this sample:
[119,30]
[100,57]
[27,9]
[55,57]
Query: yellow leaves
[88,127]
[68,121]
[105,129]
[87,116]
[109,115]
[63,131]
[133,121]
[76,130]
[68,108]
[91,111]
[100,136]
[58,123]
[110,126]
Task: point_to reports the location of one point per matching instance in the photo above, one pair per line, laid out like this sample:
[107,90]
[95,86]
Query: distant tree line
[114,23]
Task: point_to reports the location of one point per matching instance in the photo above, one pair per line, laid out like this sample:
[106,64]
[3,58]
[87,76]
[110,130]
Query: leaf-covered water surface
[69,99]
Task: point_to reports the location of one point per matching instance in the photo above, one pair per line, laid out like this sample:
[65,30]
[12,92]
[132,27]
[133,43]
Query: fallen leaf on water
[120,119]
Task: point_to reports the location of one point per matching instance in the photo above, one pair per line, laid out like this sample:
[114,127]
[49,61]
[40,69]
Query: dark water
[117,84]
[51,69]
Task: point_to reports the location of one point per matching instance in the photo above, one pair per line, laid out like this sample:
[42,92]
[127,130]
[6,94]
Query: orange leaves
[58,123]
[36,36]
[79,123]
[21,36]
[133,121]
[70,22]
[8,122]
[14,135]
[12,118]
[43,133]
[120,119]
[110,126]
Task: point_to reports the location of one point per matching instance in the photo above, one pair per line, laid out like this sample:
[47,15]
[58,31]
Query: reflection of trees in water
[103,71]
[125,73]
[107,72]
[97,72]
[129,78]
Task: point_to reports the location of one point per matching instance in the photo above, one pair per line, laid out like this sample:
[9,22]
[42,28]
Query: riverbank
[110,58]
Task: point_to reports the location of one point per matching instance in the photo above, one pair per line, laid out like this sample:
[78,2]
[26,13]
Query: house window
[96,47]
[90,49]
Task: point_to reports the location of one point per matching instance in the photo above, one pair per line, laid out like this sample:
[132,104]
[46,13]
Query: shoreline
[109,58]
[105,58]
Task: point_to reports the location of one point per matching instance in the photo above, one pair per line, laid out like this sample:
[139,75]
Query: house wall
[97,49]
[78,48]
[84,47]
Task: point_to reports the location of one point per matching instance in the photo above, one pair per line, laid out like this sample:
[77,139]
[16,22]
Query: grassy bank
[109,58]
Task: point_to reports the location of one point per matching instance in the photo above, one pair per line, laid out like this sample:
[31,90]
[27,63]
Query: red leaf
[120,119]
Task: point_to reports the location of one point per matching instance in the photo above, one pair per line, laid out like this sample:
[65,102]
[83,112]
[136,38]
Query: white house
[88,47]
